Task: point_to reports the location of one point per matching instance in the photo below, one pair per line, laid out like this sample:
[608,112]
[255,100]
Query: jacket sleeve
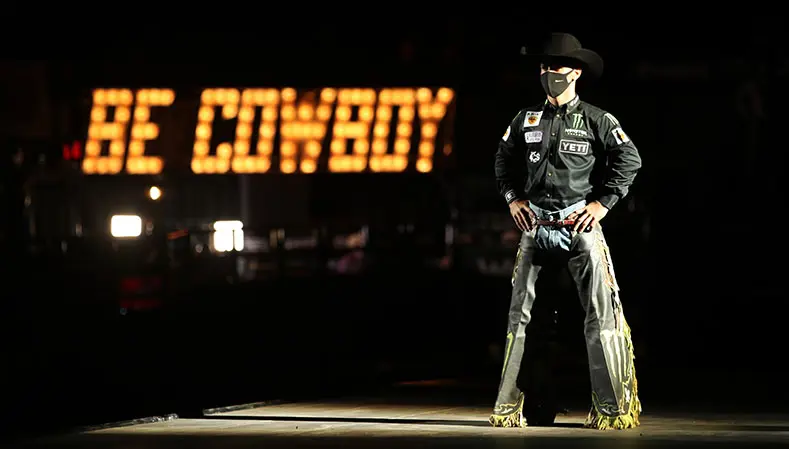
[623,160]
[509,165]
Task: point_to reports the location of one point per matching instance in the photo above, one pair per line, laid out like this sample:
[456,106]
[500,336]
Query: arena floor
[416,417]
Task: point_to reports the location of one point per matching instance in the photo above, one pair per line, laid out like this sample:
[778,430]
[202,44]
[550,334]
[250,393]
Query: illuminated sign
[282,130]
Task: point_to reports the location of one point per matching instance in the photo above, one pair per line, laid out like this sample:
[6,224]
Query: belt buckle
[553,216]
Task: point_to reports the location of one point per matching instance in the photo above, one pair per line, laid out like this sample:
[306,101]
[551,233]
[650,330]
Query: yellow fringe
[511,420]
[514,419]
[597,420]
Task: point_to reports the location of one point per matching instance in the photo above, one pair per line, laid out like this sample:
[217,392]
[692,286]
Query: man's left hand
[588,216]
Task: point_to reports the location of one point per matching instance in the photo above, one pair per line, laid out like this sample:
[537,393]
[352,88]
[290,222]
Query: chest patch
[573,147]
[576,132]
[533,136]
[532,119]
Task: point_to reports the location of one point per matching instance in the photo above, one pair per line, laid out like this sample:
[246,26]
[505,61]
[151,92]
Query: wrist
[608,201]
[510,196]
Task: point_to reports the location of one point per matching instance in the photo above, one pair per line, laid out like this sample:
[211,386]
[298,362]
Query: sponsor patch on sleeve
[506,134]
[620,136]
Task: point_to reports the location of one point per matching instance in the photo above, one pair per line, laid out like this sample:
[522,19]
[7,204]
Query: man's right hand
[523,215]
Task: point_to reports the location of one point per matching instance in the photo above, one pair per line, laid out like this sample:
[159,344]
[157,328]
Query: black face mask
[554,83]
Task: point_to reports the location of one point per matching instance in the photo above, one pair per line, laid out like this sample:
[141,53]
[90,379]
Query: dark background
[697,245]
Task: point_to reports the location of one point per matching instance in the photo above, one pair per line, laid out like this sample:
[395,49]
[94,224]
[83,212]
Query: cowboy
[561,166]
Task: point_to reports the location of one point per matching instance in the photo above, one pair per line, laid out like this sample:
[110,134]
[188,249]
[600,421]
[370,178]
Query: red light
[73,151]
[76,150]
[131,285]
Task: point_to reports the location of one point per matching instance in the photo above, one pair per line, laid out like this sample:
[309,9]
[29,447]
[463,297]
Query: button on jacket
[557,156]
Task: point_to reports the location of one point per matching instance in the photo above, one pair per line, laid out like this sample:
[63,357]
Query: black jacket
[555,157]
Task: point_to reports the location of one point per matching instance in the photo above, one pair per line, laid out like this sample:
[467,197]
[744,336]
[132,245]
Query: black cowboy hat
[566,47]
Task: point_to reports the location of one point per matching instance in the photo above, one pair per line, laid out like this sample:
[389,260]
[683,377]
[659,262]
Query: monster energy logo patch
[576,132]
[578,121]
[577,125]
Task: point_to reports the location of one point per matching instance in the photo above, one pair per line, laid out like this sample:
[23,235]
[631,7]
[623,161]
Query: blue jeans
[553,238]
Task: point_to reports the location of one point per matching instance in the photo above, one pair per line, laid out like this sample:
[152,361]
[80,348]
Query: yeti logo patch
[573,147]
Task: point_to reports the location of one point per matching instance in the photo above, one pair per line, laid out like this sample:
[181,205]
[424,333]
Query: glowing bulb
[154,193]
[126,226]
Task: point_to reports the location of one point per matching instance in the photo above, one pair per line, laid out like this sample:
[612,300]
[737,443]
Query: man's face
[558,76]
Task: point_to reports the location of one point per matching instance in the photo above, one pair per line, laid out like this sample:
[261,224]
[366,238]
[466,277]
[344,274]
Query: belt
[559,224]
[555,223]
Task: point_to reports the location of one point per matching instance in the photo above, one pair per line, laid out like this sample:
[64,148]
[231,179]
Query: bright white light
[155,193]
[228,236]
[126,226]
